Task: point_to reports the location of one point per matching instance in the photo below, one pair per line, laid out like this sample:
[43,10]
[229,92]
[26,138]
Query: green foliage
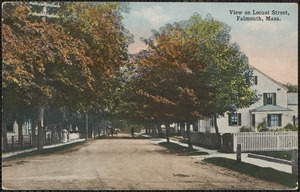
[181,150]
[263,173]
[290,127]
[292,88]
[245,129]
[276,154]
[48,151]
[262,127]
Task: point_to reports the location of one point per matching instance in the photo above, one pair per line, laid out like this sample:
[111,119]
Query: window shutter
[265,99]
[255,80]
[279,120]
[274,98]
[253,120]
[294,120]
[239,119]
[229,119]
[269,120]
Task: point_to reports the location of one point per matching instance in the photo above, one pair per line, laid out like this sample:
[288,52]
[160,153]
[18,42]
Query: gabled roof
[270,108]
[292,98]
[280,84]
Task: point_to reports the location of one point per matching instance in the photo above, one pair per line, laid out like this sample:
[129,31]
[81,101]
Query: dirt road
[121,164]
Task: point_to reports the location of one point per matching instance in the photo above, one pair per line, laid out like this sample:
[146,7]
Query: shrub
[262,127]
[290,127]
[245,129]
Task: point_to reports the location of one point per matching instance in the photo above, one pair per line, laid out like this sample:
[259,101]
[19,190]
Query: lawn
[48,151]
[263,173]
[204,146]
[181,150]
[276,154]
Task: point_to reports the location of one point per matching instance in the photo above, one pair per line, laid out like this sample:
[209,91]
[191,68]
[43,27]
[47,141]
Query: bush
[245,129]
[262,127]
[290,127]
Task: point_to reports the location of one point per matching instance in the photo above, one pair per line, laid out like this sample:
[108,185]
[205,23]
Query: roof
[280,84]
[292,98]
[271,108]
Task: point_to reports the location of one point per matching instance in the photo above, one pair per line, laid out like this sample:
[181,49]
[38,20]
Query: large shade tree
[192,70]
[71,63]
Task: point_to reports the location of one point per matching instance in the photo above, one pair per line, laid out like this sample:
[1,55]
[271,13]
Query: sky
[271,46]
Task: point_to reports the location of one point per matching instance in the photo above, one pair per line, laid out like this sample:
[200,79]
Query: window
[269,98]
[255,80]
[234,119]
[274,120]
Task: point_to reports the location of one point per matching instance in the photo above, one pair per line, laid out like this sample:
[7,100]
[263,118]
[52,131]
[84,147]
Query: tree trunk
[217,131]
[154,130]
[182,128]
[188,136]
[216,125]
[168,131]
[93,132]
[59,132]
[53,128]
[33,134]
[86,126]
[20,134]
[40,143]
[146,127]
[4,136]
[159,128]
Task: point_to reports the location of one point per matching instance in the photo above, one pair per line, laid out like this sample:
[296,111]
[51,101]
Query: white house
[276,106]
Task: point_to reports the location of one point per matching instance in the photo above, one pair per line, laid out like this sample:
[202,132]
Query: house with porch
[275,106]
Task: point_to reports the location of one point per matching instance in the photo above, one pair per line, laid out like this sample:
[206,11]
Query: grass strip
[47,151]
[181,150]
[276,154]
[263,173]
[203,146]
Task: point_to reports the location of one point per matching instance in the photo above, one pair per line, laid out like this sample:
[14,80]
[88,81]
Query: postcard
[149,96]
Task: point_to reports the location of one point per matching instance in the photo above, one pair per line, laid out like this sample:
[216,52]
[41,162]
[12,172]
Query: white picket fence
[73,136]
[26,139]
[266,141]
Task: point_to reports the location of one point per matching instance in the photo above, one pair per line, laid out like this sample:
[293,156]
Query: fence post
[12,141]
[278,141]
[295,162]
[234,141]
[238,152]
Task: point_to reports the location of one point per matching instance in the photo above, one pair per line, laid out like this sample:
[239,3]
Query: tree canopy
[80,64]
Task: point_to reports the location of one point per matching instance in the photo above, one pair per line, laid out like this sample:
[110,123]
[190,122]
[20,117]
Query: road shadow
[121,136]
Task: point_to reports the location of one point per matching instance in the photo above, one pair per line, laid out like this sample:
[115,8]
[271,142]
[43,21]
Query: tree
[192,71]
[99,26]
[72,63]
[291,88]
[178,77]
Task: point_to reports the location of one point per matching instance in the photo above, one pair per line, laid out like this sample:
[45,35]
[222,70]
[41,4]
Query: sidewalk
[245,158]
[10,154]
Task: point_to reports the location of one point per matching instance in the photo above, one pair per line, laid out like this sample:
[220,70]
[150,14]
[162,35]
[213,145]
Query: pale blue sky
[271,46]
